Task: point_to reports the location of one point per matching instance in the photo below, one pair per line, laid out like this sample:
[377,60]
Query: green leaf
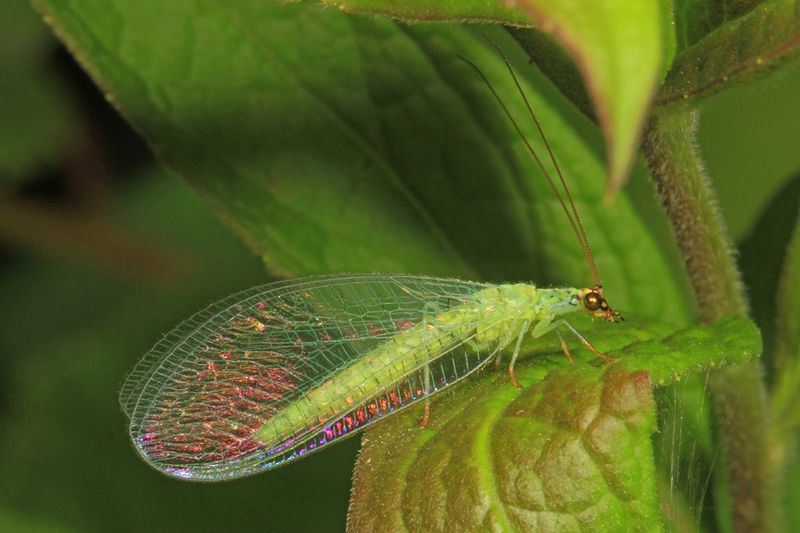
[786,357]
[385,153]
[37,123]
[763,256]
[570,450]
[769,259]
[605,40]
[694,19]
[619,49]
[787,315]
[747,131]
[738,50]
[439,10]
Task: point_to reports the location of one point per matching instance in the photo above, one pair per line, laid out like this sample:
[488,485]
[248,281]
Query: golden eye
[593,301]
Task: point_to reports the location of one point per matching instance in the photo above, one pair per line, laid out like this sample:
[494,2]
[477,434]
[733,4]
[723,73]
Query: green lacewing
[279,371]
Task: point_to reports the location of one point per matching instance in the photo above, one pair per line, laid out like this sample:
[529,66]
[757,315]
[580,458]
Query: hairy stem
[738,395]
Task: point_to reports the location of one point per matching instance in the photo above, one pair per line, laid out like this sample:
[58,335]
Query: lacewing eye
[593,301]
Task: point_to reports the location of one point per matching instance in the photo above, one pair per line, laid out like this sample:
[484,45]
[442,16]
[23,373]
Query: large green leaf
[571,450]
[607,41]
[365,145]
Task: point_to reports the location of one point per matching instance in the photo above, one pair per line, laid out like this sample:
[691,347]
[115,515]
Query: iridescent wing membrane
[197,400]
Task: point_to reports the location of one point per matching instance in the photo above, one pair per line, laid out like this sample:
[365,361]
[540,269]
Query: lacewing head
[595,304]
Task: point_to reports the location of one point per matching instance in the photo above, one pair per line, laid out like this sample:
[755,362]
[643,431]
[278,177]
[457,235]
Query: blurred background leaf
[748,135]
[65,454]
[36,118]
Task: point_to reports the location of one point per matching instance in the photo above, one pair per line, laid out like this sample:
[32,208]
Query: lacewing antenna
[571,212]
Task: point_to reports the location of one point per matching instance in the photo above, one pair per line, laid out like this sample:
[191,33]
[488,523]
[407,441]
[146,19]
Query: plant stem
[738,395]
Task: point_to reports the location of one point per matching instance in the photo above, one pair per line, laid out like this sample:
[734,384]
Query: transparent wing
[197,398]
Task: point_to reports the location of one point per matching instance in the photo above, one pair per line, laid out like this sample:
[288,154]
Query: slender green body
[491,320]
[279,371]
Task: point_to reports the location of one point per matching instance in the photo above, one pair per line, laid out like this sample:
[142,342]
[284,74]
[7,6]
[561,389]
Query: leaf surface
[570,450]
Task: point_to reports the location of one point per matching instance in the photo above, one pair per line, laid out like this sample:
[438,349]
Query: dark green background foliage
[277,140]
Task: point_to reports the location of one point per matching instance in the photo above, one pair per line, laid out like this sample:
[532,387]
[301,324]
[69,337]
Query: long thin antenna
[572,214]
[587,252]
